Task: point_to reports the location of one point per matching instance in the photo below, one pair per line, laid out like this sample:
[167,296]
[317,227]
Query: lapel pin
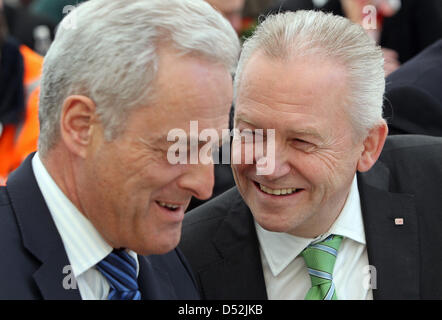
[399,221]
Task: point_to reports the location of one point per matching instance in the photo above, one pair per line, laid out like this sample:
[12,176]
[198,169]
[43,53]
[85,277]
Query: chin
[160,245]
[273,226]
[276,222]
[158,249]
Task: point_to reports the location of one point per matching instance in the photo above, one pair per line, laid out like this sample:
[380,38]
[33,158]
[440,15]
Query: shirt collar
[84,246]
[280,249]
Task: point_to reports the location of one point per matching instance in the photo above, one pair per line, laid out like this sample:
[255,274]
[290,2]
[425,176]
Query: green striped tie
[320,260]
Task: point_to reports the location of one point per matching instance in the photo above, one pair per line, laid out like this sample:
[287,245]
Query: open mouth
[276,192]
[168,206]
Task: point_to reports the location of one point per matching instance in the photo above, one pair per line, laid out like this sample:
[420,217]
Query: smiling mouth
[168,206]
[276,192]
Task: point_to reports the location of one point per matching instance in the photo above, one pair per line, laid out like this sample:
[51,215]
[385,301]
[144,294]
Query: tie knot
[120,269]
[320,259]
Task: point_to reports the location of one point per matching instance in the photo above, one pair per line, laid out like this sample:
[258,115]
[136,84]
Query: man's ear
[76,123]
[373,145]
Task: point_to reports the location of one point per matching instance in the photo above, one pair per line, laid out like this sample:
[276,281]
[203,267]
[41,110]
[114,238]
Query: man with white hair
[341,216]
[96,213]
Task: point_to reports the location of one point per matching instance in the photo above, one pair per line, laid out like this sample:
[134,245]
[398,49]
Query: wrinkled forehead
[294,79]
[305,89]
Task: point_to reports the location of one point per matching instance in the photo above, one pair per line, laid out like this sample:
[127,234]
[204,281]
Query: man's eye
[248,132]
[300,141]
[243,133]
[302,144]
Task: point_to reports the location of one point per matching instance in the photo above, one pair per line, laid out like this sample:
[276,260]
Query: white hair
[107,50]
[322,35]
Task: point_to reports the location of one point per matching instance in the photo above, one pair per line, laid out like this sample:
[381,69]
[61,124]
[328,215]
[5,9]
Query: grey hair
[107,50]
[322,35]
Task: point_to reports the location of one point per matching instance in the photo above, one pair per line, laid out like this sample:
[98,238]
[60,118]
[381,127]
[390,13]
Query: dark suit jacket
[220,242]
[33,256]
[413,96]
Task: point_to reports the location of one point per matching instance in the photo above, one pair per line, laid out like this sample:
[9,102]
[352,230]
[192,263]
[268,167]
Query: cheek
[148,169]
[317,169]
[329,173]
[114,167]
[240,172]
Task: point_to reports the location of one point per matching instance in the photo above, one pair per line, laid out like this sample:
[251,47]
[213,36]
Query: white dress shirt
[285,272]
[84,246]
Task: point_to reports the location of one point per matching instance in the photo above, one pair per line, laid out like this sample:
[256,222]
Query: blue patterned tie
[120,270]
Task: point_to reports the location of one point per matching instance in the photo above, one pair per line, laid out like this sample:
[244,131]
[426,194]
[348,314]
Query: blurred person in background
[19,80]
[254,8]
[232,10]
[53,10]
[403,28]
[31,29]
[413,94]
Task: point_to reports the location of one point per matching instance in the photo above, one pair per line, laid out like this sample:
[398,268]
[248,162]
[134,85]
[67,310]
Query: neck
[61,167]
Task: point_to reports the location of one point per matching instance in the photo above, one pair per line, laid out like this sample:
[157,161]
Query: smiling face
[315,145]
[131,193]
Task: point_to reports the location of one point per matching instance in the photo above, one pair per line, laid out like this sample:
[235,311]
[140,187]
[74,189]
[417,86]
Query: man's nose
[274,165]
[199,180]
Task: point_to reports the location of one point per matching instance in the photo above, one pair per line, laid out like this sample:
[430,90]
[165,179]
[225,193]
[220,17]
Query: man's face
[231,10]
[316,153]
[129,180]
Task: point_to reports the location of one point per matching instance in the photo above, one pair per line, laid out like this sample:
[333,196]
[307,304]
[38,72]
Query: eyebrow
[306,132]
[161,139]
[241,119]
[311,132]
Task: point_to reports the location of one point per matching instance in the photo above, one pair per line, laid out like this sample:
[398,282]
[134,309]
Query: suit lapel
[393,249]
[40,235]
[238,275]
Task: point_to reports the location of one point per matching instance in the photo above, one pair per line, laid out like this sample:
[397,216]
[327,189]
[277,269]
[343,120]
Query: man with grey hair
[96,213]
[341,216]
